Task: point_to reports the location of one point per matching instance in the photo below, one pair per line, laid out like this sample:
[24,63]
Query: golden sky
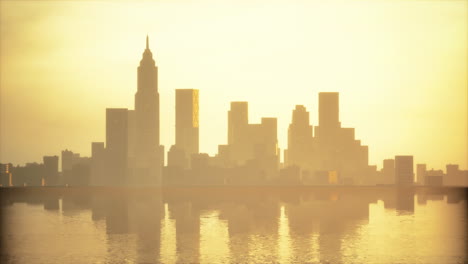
[400,67]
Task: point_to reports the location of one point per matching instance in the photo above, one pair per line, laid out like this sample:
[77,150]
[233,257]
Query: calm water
[234,225]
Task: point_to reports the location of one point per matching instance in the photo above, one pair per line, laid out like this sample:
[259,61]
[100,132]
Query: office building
[187,123]
[51,174]
[420,173]
[116,146]
[335,148]
[453,177]
[98,164]
[300,139]
[388,171]
[404,174]
[148,157]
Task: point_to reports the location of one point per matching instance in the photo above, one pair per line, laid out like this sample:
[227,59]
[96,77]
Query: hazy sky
[400,67]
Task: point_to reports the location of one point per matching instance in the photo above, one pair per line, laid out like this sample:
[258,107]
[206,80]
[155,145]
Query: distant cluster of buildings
[327,154]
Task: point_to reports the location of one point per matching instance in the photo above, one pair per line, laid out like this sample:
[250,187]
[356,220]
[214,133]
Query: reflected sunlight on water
[256,225]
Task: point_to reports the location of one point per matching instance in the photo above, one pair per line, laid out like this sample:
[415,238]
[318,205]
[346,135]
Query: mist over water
[234,225]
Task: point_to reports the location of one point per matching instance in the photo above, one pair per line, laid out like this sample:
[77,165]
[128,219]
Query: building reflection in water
[206,225]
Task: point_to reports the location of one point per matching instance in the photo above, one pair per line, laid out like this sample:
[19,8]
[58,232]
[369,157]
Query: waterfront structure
[116,146]
[149,155]
[421,173]
[300,140]
[404,174]
[51,173]
[187,123]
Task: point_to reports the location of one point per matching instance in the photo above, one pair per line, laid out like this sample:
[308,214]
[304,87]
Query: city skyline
[213,102]
[218,131]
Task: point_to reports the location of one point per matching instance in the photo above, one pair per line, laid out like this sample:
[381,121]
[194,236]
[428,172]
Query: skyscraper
[251,145]
[98,163]
[329,110]
[147,150]
[51,170]
[404,174]
[238,123]
[238,119]
[67,165]
[388,171]
[453,176]
[420,173]
[67,160]
[116,146]
[187,131]
[299,139]
[335,147]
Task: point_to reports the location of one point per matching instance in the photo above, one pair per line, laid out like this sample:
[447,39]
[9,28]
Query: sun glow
[400,68]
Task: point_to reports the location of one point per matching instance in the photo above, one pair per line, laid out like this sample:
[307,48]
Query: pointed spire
[147,42]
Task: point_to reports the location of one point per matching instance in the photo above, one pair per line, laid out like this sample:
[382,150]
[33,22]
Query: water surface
[234,225]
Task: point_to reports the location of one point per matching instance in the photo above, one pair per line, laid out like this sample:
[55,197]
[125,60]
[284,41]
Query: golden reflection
[284,240]
[168,233]
[205,226]
[214,238]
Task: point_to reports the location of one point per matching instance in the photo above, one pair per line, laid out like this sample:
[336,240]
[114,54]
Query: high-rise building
[404,173]
[238,122]
[420,173]
[253,146]
[98,163]
[131,135]
[434,177]
[329,110]
[51,170]
[67,160]
[453,177]
[388,171]
[238,119]
[148,156]
[67,166]
[336,149]
[187,131]
[116,146]
[299,140]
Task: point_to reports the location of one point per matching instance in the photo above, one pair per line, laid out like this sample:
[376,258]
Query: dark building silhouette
[148,153]
[404,170]
[117,146]
[187,123]
[51,177]
[32,174]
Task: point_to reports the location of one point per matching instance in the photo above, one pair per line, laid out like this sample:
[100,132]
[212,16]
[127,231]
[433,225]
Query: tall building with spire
[148,157]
